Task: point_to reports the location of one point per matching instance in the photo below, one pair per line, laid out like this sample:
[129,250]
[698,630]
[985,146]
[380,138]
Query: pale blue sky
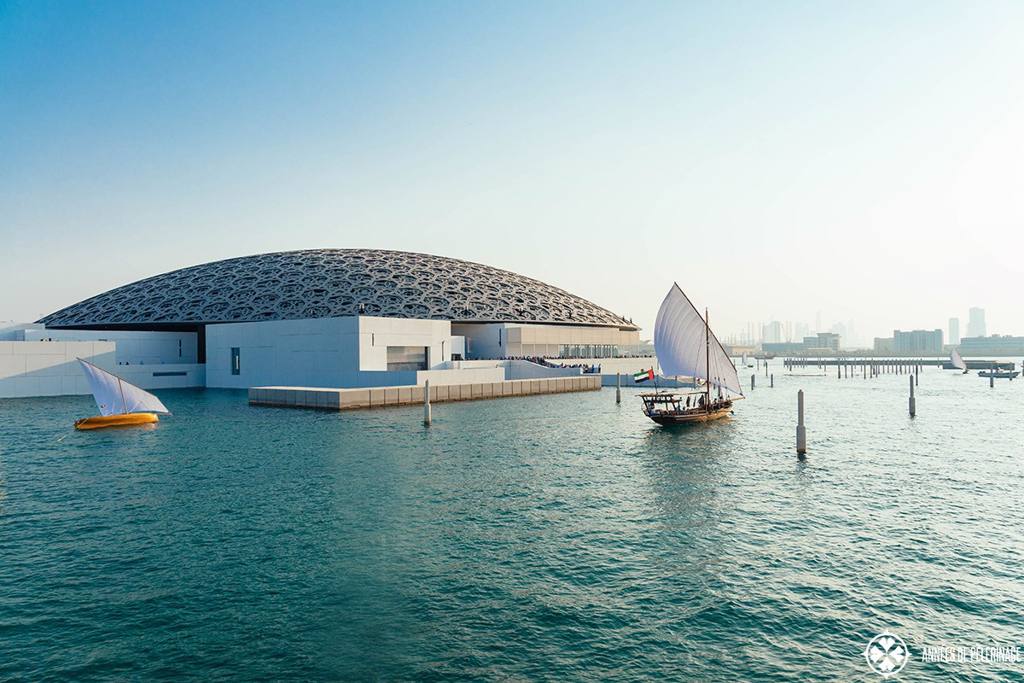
[776,159]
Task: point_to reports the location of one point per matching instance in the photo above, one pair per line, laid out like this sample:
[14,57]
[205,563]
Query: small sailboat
[957,361]
[686,347]
[121,403]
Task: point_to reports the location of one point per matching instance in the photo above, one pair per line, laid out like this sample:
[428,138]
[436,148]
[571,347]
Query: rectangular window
[177,373]
[407,358]
[236,360]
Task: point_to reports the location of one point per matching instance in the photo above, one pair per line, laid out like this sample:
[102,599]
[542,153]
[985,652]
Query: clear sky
[865,160]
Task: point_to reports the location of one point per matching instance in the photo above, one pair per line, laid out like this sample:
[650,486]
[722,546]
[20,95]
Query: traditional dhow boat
[686,347]
[121,403]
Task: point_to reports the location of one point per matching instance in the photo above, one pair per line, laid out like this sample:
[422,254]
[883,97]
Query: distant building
[954,331]
[826,340]
[772,332]
[976,322]
[783,348]
[917,342]
[823,343]
[996,345]
[884,345]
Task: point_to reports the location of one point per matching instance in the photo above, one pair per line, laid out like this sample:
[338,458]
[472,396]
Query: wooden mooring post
[426,403]
[801,431]
[913,402]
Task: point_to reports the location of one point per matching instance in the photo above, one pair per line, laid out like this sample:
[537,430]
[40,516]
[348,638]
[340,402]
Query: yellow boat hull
[123,420]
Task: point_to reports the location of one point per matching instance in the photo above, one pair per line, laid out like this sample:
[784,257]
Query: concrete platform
[379,397]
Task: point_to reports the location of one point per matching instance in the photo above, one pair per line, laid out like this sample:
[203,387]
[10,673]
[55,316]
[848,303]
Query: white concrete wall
[377,334]
[133,347]
[502,340]
[487,340]
[522,369]
[462,376]
[16,331]
[164,376]
[458,346]
[327,352]
[311,352]
[49,368]
[468,364]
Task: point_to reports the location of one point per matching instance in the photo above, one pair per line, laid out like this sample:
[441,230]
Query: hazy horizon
[777,161]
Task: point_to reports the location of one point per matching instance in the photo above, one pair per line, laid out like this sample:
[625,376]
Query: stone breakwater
[380,397]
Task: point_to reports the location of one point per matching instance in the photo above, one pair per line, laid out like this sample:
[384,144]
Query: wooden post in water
[752,382]
[773,381]
[801,431]
[917,374]
[426,403]
[618,388]
[913,402]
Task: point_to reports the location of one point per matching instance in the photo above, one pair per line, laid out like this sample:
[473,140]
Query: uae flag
[644,375]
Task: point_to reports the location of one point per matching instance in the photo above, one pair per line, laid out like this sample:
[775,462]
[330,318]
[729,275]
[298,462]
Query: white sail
[957,361]
[682,341]
[114,396]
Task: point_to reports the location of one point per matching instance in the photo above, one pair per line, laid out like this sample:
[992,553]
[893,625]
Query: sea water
[562,537]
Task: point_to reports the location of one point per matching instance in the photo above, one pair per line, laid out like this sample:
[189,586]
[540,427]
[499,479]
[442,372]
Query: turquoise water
[557,537]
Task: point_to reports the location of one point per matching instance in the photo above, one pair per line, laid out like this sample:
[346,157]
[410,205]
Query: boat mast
[124,403]
[707,361]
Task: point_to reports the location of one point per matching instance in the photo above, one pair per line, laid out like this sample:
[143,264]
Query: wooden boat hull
[1002,374]
[122,420]
[691,417]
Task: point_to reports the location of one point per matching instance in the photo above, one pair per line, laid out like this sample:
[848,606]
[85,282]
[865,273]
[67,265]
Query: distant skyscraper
[976,322]
[954,331]
[928,342]
[772,332]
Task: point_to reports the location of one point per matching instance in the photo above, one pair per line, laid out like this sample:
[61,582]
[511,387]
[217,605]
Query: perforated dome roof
[325,283]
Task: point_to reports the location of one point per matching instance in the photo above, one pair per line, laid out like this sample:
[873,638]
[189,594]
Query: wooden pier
[891,365]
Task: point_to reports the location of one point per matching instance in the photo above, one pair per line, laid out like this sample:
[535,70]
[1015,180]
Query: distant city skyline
[854,160]
[776,331]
